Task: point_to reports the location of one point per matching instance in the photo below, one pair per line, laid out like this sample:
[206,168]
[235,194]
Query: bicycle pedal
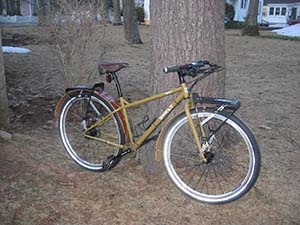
[109,162]
[125,152]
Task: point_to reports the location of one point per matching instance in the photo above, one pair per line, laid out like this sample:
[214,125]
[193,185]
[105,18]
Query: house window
[271,11]
[244,4]
[277,11]
[283,11]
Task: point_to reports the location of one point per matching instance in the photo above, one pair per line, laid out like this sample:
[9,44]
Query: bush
[234,25]
[78,38]
[140,14]
[250,30]
[229,11]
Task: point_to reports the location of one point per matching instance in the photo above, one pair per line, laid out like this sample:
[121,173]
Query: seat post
[118,86]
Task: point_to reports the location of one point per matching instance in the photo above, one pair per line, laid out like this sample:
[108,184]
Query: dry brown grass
[40,185]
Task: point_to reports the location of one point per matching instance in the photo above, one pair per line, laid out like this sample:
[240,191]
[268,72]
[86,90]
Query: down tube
[159,120]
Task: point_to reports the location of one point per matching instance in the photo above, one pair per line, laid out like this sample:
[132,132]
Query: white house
[147,11]
[27,12]
[241,9]
[280,12]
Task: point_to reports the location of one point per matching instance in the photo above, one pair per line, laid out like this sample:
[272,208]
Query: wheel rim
[212,170]
[82,152]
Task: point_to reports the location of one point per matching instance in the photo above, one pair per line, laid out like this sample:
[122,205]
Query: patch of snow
[292,31]
[9,49]
[278,25]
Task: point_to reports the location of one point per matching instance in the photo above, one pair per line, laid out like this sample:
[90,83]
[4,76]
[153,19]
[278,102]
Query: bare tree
[4,112]
[78,38]
[104,11]
[251,26]
[42,12]
[117,12]
[131,29]
[184,31]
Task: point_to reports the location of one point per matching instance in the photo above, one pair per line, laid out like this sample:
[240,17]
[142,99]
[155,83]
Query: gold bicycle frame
[124,105]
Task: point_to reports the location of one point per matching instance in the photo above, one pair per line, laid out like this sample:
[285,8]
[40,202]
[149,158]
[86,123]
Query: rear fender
[69,92]
[98,90]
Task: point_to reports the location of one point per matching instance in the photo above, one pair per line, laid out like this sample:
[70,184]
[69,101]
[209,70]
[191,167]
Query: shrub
[234,25]
[140,14]
[229,11]
[78,38]
[250,30]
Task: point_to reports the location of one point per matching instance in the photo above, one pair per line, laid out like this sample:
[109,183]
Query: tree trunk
[10,8]
[4,113]
[184,31]
[131,29]
[251,26]
[18,7]
[42,12]
[117,12]
[104,12]
[3,7]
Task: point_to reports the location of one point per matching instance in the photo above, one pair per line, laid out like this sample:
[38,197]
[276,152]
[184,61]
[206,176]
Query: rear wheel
[78,114]
[233,157]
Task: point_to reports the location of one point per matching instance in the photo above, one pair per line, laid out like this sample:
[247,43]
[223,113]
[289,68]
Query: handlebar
[193,68]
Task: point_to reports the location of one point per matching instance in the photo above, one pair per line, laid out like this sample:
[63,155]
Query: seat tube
[193,128]
[126,119]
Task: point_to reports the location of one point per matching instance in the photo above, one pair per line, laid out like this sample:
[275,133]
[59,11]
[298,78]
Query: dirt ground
[41,185]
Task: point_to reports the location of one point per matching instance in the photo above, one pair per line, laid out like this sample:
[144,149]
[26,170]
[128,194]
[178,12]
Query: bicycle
[208,153]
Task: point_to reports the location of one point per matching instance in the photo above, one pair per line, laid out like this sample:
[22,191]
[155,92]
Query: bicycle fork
[194,131]
[203,148]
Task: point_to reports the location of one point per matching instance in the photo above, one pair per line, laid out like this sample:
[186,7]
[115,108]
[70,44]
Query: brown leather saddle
[111,67]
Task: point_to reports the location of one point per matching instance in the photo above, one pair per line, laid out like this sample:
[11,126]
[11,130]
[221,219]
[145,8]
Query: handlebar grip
[171,69]
[200,63]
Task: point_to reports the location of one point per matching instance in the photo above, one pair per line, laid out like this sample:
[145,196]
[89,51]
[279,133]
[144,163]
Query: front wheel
[233,157]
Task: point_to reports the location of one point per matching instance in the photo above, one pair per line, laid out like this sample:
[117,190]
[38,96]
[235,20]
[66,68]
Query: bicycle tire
[234,154]
[79,113]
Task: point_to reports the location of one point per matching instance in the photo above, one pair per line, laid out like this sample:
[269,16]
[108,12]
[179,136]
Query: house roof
[266,2]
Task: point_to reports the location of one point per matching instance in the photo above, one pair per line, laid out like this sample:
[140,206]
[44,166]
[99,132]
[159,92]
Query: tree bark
[117,12]
[4,112]
[251,26]
[10,8]
[131,29]
[18,7]
[184,31]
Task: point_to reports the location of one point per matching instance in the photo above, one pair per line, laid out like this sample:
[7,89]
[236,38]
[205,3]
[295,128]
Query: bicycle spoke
[204,172]
[195,167]
[187,158]
[220,185]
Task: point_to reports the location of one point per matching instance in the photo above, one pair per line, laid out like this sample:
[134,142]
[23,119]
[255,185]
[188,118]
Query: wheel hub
[86,124]
[209,157]
[92,132]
